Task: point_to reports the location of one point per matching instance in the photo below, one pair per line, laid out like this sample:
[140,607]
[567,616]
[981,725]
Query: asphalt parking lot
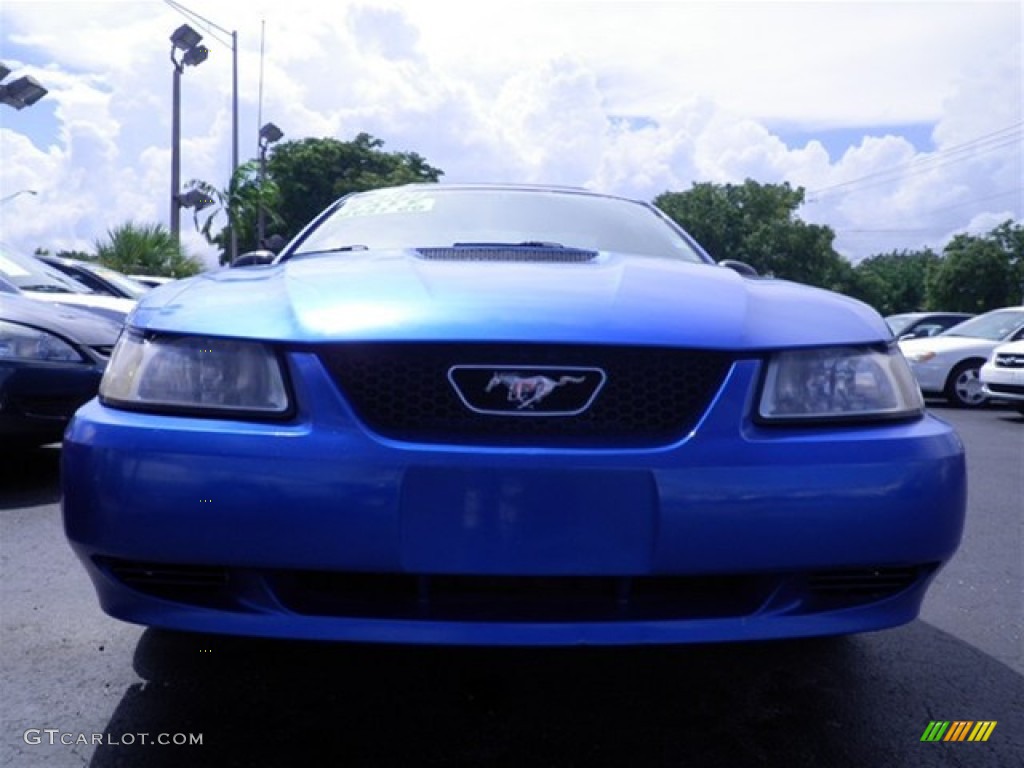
[71,675]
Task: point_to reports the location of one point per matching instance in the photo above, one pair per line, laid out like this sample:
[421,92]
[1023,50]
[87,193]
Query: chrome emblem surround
[524,390]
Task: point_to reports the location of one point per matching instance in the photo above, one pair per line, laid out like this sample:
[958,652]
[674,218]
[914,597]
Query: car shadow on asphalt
[29,477]
[860,701]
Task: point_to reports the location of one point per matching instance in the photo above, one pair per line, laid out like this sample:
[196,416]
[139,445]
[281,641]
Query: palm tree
[239,205]
[147,249]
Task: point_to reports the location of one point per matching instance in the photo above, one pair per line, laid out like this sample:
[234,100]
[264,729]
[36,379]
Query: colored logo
[526,391]
[959,730]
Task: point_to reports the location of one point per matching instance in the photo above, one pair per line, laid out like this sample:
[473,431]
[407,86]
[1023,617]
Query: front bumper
[1003,383]
[317,529]
[38,400]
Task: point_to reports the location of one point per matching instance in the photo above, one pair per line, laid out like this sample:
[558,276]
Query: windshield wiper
[44,288]
[339,249]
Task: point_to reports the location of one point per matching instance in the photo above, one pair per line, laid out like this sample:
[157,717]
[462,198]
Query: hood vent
[509,253]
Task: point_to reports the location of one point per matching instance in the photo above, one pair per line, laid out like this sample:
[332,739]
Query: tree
[895,282]
[147,249]
[313,173]
[302,178]
[757,223]
[976,274]
[247,192]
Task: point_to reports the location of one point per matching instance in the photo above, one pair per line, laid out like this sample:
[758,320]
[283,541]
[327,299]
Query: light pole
[19,192]
[20,93]
[186,40]
[269,133]
[213,30]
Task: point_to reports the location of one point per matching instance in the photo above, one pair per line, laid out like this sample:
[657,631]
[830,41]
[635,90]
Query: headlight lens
[196,374]
[839,384]
[21,342]
[922,356]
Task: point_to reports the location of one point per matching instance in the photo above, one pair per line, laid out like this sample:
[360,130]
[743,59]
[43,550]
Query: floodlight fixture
[270,133]
[195,56]
[20,93]
[185,38]
[195,199]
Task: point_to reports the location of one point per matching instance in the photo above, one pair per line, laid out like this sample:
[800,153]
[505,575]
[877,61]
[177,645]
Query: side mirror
[739,266]
[253,258]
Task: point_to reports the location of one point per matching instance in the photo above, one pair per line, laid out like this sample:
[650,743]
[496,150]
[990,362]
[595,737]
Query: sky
[901,120]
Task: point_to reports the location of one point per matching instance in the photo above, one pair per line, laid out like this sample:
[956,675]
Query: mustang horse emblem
[530,390]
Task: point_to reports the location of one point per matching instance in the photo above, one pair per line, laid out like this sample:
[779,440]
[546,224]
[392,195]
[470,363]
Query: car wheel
[963,388]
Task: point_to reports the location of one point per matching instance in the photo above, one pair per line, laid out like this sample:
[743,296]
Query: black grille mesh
[652,396]
[547,255]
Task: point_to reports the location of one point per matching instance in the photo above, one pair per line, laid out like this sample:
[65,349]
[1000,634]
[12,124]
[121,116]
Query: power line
[984,144]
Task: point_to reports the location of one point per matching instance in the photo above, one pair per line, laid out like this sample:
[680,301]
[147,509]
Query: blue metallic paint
[323,494]
[319,492]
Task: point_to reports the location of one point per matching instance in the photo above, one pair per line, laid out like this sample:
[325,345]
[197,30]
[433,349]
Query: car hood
[77,325]
[948,345]
[394,295]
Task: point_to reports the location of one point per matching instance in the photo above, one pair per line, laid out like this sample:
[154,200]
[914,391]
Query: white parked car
[948,365]
[1003,375]
[41,281]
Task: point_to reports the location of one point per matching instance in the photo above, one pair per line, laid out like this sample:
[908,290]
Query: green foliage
[313,173]
[977,274]
[147,249]
[757,223]
[895,282]
[239,206]
[302,178]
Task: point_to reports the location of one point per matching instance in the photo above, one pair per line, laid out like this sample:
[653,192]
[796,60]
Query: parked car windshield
[132,288]
[30,274]
[445,217]
[997,325]
[899,323]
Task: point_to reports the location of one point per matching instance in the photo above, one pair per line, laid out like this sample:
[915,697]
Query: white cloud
[629,97]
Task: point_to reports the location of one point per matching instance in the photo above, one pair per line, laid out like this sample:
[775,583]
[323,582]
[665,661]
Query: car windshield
[135,290]
[445,217]
[899,323]
[997,325]
[30,274]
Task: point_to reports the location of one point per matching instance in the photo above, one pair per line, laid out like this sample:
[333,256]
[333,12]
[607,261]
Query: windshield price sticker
[381,204]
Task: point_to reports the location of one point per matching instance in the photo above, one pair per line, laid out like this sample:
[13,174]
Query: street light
[20,93]
[213,29]
[269,133]
[186,40]
[19,192]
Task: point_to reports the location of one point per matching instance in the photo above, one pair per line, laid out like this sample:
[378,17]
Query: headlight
[922,356]
[194,374]
[20,342]
[839,384]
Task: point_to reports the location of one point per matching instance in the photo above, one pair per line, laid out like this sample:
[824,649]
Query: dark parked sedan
[921,325]
[51,361]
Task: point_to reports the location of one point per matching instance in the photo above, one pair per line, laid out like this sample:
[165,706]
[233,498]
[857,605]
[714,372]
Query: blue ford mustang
[508,415]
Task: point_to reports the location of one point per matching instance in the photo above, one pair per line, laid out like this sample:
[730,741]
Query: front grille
[195,584]
[501,598]
[652,396]
[519,598]
[848,587]
[1009,361]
